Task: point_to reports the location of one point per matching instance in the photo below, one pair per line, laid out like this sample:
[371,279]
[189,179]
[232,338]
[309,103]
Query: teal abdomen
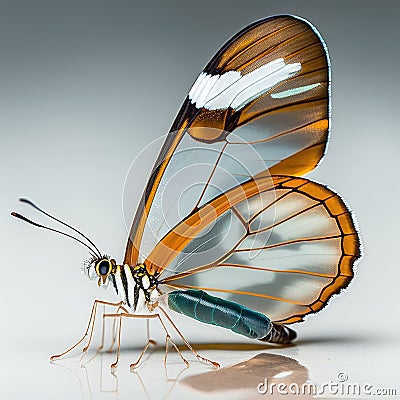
[215,311]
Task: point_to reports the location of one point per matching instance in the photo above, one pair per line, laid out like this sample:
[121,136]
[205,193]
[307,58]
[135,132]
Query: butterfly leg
[114,365]
[103,329]
[120,316]
[149,341]
[169,339]
[90,327]
[148,333]
[135,364]
[198,356]
[114,327]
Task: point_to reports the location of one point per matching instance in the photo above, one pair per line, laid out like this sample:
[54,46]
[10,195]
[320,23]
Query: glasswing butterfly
[227,231]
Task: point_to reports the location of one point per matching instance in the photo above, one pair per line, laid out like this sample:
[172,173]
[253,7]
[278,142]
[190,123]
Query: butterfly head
[99,268]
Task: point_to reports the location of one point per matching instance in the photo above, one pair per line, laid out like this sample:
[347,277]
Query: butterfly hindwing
[284,254]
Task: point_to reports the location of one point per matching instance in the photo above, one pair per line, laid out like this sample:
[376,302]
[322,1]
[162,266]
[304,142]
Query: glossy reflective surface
[340,357]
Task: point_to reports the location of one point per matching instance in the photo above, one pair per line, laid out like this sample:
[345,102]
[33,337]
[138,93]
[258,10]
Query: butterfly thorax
[135,286]
[144,281]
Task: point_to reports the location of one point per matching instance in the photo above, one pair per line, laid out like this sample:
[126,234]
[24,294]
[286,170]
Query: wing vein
[294,241]
[263,38]
[236,292]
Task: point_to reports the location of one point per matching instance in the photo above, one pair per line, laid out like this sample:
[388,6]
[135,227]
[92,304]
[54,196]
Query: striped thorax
[133,285]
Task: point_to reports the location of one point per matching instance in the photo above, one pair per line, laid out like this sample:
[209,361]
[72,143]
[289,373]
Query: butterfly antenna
[27,201]
[23,200]
[16,215]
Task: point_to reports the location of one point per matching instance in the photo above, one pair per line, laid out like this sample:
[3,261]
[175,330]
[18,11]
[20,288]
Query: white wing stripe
[224,82]
[265,83]
[293,92]
[195,88]
[232,89]
[208,84]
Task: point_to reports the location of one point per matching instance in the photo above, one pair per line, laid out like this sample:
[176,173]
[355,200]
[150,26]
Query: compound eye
[104,267]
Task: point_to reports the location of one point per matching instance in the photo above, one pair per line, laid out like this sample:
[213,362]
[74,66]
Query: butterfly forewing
[262,103]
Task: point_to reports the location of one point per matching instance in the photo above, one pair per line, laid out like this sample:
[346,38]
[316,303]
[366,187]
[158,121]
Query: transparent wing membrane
[286,264]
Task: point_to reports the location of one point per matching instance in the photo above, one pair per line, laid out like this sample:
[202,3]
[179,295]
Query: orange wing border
[182,234]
